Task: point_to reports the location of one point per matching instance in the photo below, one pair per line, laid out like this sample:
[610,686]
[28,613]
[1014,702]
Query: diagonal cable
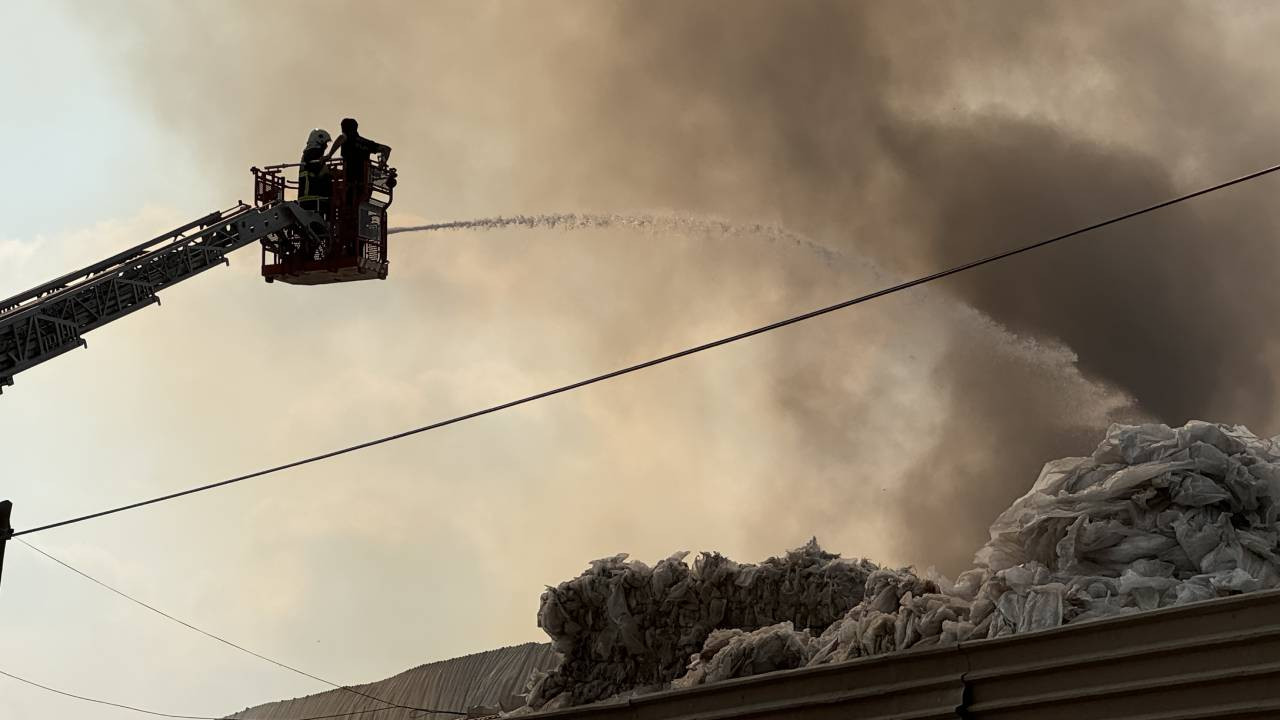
[228,643]
[673,356]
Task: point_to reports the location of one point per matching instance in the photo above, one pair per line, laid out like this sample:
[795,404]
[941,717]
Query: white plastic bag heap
[622,625]
[1156,517]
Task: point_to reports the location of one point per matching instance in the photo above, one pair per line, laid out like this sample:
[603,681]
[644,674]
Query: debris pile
[622,625]
[731,653]
[1155,517]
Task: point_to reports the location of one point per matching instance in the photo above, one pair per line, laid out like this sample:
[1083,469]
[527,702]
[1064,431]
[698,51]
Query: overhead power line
[224,641]
[103,702]
[154,713]
[673,356]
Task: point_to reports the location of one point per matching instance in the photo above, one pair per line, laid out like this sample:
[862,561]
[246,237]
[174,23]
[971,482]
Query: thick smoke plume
[915,134]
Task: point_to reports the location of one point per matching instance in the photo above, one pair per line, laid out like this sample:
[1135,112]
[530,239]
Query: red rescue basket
[340,238]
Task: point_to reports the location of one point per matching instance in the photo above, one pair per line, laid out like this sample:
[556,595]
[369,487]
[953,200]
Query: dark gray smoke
[798,96]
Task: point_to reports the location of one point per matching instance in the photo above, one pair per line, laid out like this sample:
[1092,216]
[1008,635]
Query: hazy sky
[904,136]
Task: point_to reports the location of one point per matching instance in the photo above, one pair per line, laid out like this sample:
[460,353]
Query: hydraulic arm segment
[51,319]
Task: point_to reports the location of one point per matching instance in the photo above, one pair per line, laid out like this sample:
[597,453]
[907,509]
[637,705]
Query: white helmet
[318,138]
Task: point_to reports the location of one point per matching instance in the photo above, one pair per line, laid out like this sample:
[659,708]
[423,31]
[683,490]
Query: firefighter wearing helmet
[314,182]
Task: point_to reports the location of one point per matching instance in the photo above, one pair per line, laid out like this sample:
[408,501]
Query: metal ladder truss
[51,319]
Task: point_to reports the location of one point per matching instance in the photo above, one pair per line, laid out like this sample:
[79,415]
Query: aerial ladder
[341,240]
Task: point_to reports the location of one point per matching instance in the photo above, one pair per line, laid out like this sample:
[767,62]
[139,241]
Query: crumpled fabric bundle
[1155,517]
[899,610]
[731,653]
[622,626]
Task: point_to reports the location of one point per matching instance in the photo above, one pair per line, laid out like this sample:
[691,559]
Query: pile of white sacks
[622,625]
[1156,517]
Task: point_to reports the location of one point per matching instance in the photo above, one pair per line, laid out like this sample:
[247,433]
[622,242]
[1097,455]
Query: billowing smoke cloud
[916,134]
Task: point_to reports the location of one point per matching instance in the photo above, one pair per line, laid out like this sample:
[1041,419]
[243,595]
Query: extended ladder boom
[50,319]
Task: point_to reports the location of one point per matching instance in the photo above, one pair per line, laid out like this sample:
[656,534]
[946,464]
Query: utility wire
[228,643]
[170,715]
[104,702]
[676,355]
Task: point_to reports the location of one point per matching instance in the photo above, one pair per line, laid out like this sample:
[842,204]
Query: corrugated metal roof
[483,679]
[1216,659]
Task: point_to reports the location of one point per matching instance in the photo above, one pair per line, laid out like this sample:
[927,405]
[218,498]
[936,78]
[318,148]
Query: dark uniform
[315,185]
[356,150]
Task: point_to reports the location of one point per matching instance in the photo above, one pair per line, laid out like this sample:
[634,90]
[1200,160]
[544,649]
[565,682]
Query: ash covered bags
[731,653]
[1155,517]
[622,625]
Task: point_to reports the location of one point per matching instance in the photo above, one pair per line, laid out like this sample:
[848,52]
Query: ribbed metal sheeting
[1217,659]
[483,679]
